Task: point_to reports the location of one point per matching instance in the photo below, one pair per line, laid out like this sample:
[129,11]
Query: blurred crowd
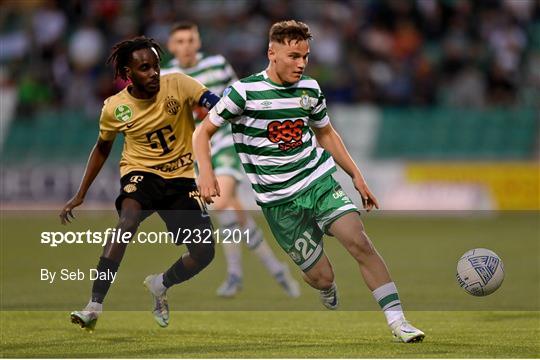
[459,53]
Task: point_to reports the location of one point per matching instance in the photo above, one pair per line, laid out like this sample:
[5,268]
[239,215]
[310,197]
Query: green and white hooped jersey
[271,131]
[216,74]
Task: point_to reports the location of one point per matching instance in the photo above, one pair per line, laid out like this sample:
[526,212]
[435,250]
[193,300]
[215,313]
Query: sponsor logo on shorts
[197,196]
[340,194]
[136,179]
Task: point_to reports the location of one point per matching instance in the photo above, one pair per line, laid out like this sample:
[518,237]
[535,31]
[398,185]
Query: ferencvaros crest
[172,105]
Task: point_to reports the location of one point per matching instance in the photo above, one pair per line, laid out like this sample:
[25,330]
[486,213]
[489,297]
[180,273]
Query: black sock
[101,287]
[178,273]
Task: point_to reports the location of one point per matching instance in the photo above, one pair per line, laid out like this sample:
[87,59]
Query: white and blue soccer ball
[480,272]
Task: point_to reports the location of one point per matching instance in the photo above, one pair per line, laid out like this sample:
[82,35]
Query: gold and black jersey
[157,131]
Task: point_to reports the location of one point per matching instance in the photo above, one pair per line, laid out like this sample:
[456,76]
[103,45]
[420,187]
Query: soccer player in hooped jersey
[155,116]
[216,73]
[278,117]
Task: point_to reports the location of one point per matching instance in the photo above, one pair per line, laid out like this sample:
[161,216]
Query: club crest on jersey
[123,112]
[305,101]
[172,105]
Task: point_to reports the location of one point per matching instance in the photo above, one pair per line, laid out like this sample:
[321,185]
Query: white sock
[94,306]
[233,257]
[266,255]
[260,247]
[233,252]
[388,299]
[330,290]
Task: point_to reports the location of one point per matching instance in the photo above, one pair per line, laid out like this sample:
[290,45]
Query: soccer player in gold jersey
[157,174]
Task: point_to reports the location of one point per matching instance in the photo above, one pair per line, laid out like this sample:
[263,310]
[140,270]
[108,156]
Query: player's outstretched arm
[330,140]
[206,180]
[97,158]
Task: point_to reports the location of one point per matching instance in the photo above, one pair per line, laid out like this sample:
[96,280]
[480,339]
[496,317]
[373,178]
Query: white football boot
[230,287]
[329,298]
[161,305]
[405,332]
[87,318]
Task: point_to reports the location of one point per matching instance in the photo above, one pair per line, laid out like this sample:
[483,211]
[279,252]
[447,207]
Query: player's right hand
[208,187]
[66,211]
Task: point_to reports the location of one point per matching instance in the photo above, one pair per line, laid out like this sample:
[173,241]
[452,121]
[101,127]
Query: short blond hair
[285,31]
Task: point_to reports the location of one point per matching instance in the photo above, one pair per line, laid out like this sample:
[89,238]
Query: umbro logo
[266,104]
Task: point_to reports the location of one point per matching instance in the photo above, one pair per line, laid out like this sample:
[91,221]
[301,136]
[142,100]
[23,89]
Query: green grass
[271,335]
[261,321]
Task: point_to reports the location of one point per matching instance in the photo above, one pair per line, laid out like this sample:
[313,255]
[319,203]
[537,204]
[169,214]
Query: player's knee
[220,204]
[203,255]
[323,279]
[223,202]
[208,255]
[361,247]
[128,223]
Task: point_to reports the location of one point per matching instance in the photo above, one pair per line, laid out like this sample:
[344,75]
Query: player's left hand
[369,201]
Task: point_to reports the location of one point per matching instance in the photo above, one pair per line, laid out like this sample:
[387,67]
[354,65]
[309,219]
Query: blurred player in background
[155,116]
[216,73]
[275,115]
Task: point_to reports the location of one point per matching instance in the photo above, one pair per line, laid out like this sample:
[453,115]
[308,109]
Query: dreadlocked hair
[121,53]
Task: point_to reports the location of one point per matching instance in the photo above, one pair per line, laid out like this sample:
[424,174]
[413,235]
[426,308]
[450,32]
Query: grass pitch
[271,335]
[261,321]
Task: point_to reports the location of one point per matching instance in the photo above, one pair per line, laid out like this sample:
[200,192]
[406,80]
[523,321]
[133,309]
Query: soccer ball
[480,272]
